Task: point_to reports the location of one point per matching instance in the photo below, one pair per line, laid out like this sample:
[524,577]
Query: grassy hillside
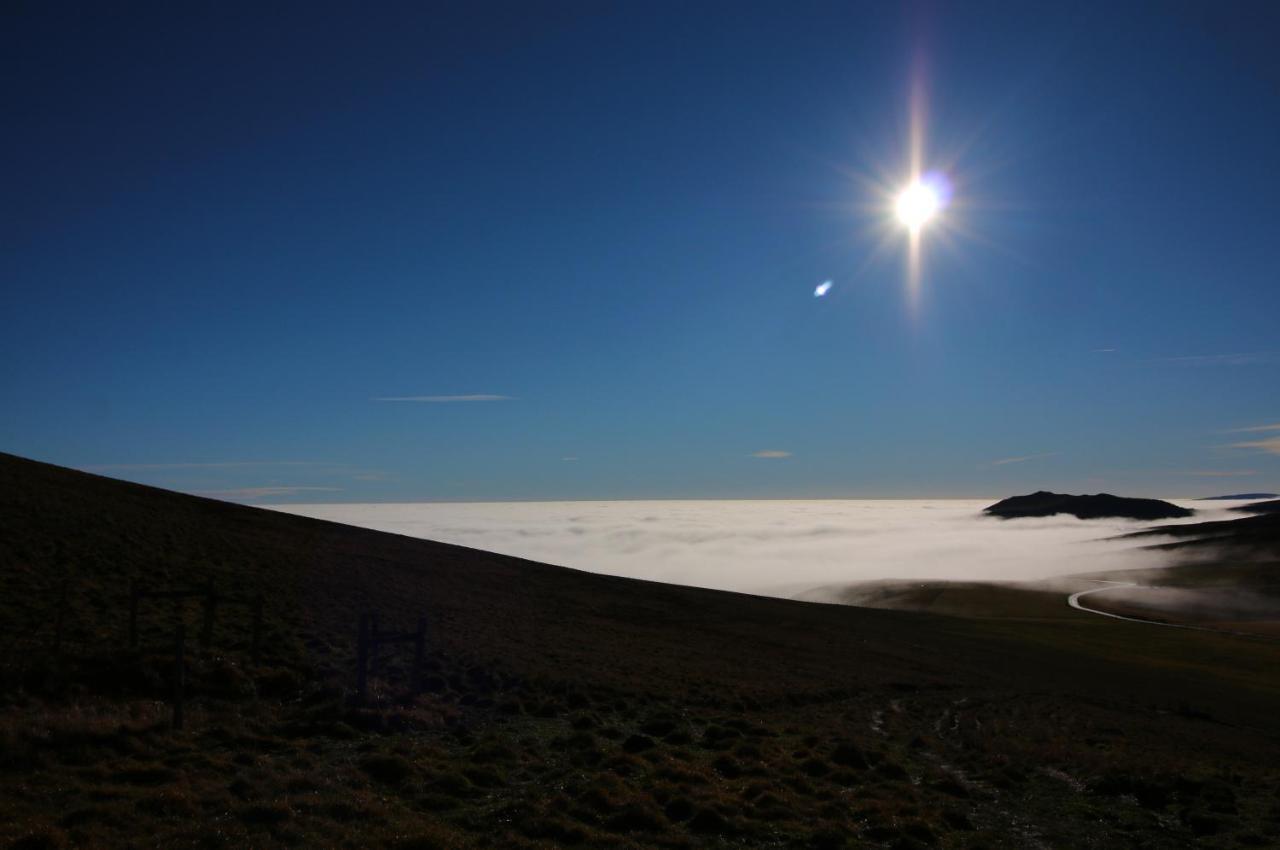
[561,708]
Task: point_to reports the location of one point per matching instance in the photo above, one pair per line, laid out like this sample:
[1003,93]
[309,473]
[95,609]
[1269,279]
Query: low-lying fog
[778,548]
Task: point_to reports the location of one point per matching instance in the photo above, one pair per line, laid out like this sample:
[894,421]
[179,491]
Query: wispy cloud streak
[446,399]
[1255,429]
[1236,359]
[771,453]
[227,464]
[1271,445]
[1021,459]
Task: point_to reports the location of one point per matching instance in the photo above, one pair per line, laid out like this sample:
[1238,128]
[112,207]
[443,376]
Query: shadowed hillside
[560,708]
[1259,533]
[1099,506]
[1234,496]
[1269,507]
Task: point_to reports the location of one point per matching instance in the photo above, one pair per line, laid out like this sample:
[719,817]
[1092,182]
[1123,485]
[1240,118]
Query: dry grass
[564,709]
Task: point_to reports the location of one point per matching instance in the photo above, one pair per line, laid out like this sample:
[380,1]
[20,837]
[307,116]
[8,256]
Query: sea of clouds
[777,548]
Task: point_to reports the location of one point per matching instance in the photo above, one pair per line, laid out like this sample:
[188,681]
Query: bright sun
[916,204]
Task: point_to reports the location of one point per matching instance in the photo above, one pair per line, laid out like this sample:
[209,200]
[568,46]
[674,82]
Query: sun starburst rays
[913,196]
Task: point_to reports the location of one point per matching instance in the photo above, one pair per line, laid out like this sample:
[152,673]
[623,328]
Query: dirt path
[1074,601]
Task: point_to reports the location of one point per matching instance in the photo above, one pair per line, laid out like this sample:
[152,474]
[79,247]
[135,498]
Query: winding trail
[1074,601]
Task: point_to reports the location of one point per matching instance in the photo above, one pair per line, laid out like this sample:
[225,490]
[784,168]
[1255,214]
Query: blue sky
[229,232]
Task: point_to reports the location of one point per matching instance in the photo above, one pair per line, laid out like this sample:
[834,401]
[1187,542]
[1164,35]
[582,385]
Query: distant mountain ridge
[1272,507]
[1098,506]
[1240,496]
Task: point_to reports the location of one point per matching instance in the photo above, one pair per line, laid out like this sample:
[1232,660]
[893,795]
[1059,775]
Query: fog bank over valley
[777,548]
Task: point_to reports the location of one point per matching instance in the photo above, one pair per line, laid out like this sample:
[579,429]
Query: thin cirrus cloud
[1270,445]
[226,464]
[771,453]
[446,399]
[1255,429]
[1236,359]
[1221,473]
[1021,458]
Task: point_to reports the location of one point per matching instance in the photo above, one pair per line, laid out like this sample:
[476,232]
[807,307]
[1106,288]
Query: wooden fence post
[419,649]
[362,656]
[133,613]
[179,675]
[255,648]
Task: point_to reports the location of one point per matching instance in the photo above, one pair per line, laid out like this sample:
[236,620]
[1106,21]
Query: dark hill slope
[563,708]
[1099,506]
[1271,507]
[1261,532]
[1239,496]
